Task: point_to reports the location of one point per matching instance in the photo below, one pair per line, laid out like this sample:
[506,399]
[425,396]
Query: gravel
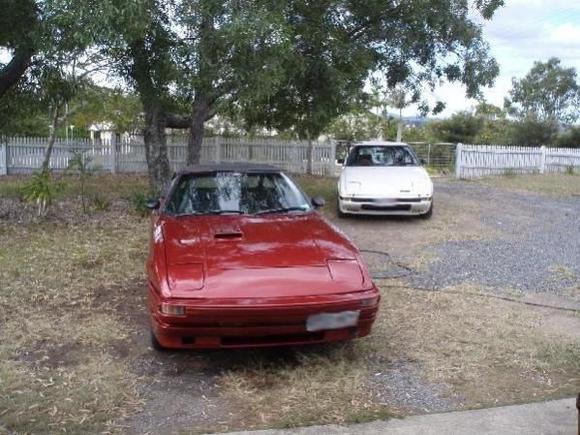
[536,248]
[402,386]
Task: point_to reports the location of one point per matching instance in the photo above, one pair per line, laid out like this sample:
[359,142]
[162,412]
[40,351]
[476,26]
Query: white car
[384,178]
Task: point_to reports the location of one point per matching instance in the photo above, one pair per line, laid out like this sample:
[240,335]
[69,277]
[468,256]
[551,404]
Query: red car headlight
[369,302]
[172,310]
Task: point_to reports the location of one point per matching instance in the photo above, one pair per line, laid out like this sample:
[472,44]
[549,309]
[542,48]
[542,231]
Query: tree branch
[175,120]
[15,69]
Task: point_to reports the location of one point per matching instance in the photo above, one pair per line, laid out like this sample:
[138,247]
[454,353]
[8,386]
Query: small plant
[42,190]
[138,200]
[570,170]
[509,172]
[80,164]
[101,202]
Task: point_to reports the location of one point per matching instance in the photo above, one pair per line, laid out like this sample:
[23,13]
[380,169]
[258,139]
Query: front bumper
[273,322]
[385,206]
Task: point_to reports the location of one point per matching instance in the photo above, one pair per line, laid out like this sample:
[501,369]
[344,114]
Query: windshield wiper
[223,212]
[279,210]
[209,212]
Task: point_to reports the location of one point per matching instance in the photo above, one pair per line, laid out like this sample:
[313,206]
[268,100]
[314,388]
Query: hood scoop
[227,233]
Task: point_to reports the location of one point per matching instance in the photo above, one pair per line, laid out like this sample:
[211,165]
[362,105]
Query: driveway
[509,243]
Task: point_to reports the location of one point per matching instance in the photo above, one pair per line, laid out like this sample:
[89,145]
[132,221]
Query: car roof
[230,167]
[381,143]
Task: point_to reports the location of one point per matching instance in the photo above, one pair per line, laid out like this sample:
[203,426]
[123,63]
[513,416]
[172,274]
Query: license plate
[324,321]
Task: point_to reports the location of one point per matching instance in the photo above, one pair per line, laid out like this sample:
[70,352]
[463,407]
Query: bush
[138,200]
[101,202]
[42,190]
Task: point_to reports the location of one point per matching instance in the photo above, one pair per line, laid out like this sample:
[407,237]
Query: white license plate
[324,321]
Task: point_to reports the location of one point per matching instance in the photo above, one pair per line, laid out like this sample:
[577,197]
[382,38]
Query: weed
[509,173]
[138,200]
[101,202]
[570,170]
[42,190]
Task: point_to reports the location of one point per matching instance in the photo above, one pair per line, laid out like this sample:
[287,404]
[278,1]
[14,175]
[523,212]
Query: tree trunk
[51,140]
[400,126]
[155,140]
[15,69]
[309,164]
[200,114]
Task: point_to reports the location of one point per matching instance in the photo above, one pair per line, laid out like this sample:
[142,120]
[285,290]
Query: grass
[59,369]
[102,186]
[328,386]
[490,352]
[567,184]
[67,313]
[321,186]
[484,351]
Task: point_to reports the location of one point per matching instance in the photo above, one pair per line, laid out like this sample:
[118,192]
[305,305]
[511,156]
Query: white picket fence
[475,161]
[25,155]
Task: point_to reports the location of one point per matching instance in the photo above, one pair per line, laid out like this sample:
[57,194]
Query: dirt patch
[52,355]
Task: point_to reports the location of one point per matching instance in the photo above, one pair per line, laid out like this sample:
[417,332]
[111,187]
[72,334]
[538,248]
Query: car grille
[379,200]
[372,207]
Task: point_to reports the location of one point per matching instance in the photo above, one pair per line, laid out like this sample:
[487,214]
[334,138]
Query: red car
[239,257]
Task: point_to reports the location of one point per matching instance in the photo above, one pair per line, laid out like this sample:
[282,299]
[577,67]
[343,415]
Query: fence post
[332,162]
[113,154]
[218,149]
[4,158]
[458,151]
[429,154]
[542,159]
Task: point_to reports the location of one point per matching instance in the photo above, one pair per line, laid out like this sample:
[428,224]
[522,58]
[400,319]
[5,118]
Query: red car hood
[269,256]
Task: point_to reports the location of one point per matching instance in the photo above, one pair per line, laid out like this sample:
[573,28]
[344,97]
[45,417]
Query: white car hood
[399,181]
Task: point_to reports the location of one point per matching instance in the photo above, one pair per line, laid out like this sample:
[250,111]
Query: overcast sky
[521,32]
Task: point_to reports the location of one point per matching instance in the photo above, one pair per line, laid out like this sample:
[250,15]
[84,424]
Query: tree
[570,138]
[462,127]
[361,124]
[336,45]
[399,98]
[294,64]
[19,33]
[186,59]
[233,52]
[533,132]
[549,92]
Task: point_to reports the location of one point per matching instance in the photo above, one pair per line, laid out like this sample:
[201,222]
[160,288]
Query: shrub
[138,200]
[101,202]
[42,190]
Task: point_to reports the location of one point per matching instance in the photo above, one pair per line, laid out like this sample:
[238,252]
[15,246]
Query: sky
[521,32]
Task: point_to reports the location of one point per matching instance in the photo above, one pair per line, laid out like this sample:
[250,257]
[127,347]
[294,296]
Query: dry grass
[59,369]
[490,351]
[63,279]
[316,387]
[549,184]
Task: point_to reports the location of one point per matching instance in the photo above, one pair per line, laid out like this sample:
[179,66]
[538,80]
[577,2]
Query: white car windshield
[393,155]
[236,193]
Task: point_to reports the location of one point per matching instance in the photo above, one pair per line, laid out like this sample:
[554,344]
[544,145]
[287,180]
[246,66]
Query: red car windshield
[364,155]
[235,193]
